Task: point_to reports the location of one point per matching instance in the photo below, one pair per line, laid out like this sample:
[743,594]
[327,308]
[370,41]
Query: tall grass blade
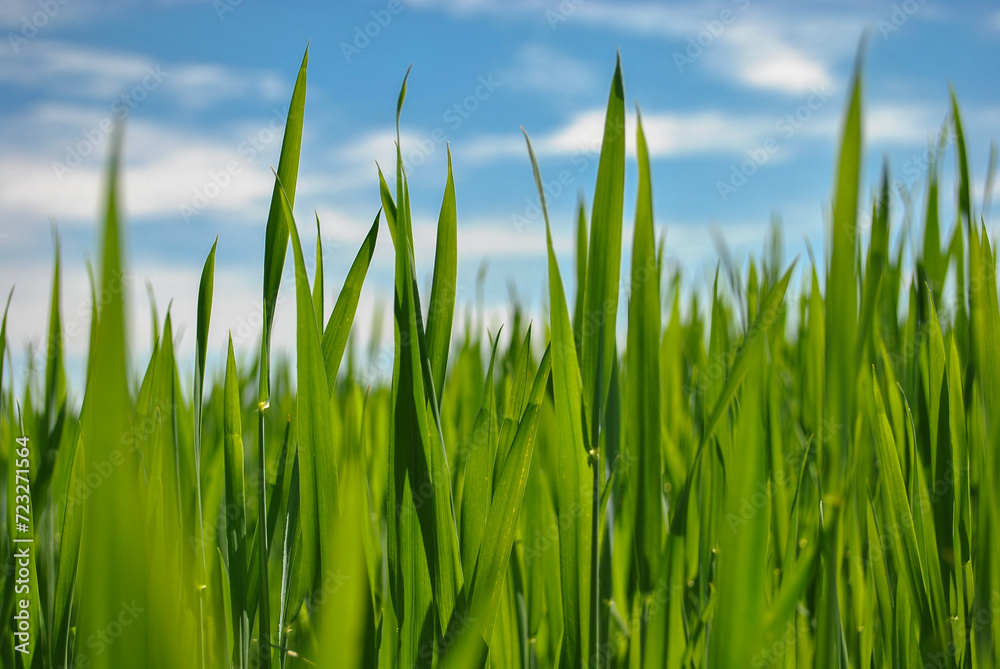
[441,309]
[643,380]
[574,489]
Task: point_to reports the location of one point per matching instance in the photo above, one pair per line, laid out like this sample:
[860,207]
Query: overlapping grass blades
[800,471]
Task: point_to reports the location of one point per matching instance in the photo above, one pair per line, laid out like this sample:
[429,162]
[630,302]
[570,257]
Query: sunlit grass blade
[319,488]
[338,328]
[418,438]
[574,490]
[348,617]
[318,278]
[580,267]
[842,290]
[643,379]
[206,290]
[766,316]
[501,522]
[477,490]
[55,374]
[963,194]
[388,205]
[276,233]
[441,308]
[274,505]
[896,503]
[600,311]
[275,247]
[743,541]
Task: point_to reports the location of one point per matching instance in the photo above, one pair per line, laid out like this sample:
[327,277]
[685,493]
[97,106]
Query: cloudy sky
[741,100]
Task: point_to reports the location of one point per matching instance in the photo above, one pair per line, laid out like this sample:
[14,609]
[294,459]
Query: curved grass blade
[574,492]
[767,314]
[338,328]
[501,523]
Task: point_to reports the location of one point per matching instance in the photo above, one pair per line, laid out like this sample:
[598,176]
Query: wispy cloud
[166,169]
[65,70]
[787,52]
[668,134]
[31,16]
[542,68]
[712,131]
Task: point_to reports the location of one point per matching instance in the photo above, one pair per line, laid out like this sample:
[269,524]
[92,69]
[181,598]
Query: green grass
[802,472]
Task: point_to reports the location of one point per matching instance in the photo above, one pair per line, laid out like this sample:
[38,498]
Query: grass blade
[236,531]
[441,309]
[574,492]
[276,234]
[643,379]
[206,289]
[338,328]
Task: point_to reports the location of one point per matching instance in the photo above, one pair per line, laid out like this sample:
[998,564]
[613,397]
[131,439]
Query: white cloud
[713,131]
[758,55]
[896,123]
[61,69]
[787,52]
[667,135]
[541,68]
[164,169]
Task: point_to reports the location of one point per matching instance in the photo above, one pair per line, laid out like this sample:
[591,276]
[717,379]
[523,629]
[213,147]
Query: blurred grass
[801,472]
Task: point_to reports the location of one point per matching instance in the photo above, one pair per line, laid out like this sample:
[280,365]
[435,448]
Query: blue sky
[203,87]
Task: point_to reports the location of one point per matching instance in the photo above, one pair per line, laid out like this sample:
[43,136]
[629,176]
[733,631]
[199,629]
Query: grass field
[801,473]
